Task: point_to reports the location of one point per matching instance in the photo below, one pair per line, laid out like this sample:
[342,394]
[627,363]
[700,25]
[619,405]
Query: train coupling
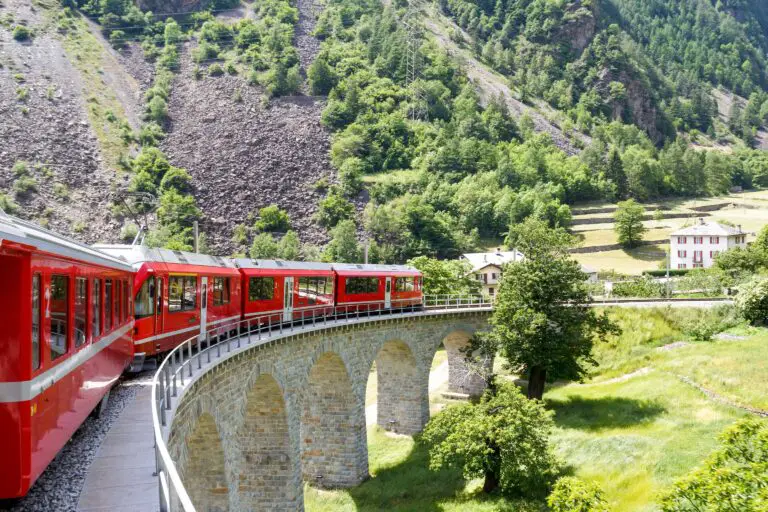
[138,363]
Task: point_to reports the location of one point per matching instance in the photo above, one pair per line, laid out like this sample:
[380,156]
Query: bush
[129,232]
[157,110]
[151,134]
[273,219]
[21,168]
[333,209]
[61,191]
[7,204]
[176,179]
[351,176]
[263,247]
[24,186]
[117,38]
[215,70]
[752,301]
[733,478]
[21,33]
[573,495]
[645,287]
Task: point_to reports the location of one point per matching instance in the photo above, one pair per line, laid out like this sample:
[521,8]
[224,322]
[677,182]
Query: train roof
[138,254]
[369,267]
[22,232]
[246,263]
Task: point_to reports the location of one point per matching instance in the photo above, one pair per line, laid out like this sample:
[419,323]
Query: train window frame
[118,293]
[96,301]
[79,342]
[361,285]
[36,334]
[269,285]
[221,291]
[126,301]
[58,355]
[405,284]
[184,298]
[151,296]
[109,292]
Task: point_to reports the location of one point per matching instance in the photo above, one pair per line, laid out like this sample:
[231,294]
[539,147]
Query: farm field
[749,209]
[634,428]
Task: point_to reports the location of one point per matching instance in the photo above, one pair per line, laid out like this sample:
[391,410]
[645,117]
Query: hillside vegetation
[518,108]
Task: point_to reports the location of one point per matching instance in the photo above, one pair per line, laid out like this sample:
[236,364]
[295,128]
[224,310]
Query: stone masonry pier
[248,431]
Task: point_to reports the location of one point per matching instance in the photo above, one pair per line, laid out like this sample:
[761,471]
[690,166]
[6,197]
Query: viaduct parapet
[246,433]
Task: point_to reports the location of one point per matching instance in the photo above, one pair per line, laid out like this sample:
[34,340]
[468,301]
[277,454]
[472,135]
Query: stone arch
[270,478]
[460,379]
[402,403]
[204,473]
[334,452]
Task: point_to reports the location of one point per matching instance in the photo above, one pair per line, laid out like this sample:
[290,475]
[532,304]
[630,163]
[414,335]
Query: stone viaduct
[246,433]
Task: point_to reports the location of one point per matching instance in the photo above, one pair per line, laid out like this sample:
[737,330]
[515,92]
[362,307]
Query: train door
[388,293]
[288,299]
[159,324]
[203,307]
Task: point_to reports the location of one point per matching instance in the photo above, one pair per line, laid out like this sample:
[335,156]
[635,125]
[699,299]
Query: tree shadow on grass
[411,486]
[593,414]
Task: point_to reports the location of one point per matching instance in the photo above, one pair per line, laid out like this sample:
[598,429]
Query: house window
[682,254]
[713,254]
[698,256]
[714,239]
[682,240]
[697,240]
[220,291]
[681,265]
[491,291]
[698,265]
[182,294]
[261,288]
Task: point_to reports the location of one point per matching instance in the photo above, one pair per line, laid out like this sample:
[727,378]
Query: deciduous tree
[629,223]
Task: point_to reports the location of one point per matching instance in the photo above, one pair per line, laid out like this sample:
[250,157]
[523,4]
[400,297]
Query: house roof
[480,260]
[702,228]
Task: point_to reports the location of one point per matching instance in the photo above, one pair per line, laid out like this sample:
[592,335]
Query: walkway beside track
[121,477]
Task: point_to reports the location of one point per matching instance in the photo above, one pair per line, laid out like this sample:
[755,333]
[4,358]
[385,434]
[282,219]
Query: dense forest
[637,78]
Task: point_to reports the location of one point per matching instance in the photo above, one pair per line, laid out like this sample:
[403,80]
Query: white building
[486,267]
[697,246]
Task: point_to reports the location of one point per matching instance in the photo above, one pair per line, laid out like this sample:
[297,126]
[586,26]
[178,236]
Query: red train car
[178,294]
[285,290]
[67,319]
[362,287]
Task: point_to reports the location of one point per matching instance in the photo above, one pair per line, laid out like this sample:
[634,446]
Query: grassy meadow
[634,427]
[749,209]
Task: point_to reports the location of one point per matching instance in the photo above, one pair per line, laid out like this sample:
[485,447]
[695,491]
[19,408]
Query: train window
[182,294]
[405,284]
[261,288]
[358,285]
[59,315]
[308,287]
[81,310]
[96,308]
[145,300]
[118,294]
[36,321]
[126,301]
[220,291]
[107,305]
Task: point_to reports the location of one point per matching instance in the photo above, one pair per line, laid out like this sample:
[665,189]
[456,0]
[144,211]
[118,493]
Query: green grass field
[635,427]
[750,210]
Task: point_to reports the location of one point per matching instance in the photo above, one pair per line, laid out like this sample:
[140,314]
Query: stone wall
[247,432]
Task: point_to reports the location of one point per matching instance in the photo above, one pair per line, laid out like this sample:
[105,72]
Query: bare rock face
[580,25]
[44,122]
[244,153]
[639,105]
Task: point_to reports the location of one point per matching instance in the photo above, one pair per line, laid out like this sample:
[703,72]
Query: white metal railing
[195,355]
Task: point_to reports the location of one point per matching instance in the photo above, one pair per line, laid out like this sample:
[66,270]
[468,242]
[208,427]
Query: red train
[75,317]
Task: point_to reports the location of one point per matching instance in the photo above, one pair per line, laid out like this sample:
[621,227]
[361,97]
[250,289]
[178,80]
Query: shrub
[272,218]
[157,109]
[24,186]
[644,287]
[21,33]
[176,179]
[263,247]
[129,232]
[22,93]
[215,70]
[20,168]
[61,191]
[231,68]
[117,38]
[151,134]
[573,495]
[7,204]
[732,478]
[240,234]
[289,247]
[351,176]
[752,301]
[333,209]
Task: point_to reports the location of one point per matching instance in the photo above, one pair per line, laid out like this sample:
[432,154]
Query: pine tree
[617,175]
